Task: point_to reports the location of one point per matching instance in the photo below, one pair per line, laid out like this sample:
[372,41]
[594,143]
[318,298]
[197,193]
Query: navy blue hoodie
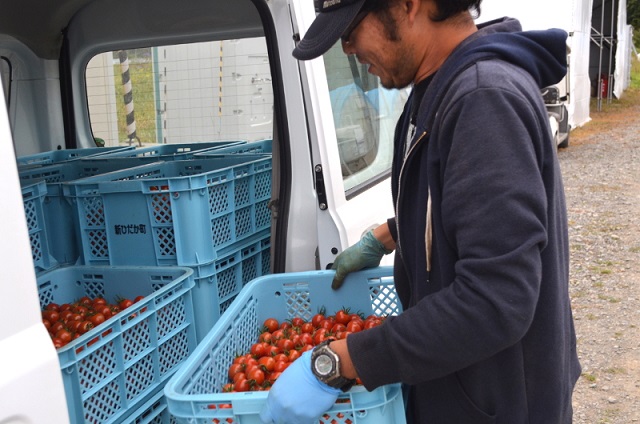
[487,333]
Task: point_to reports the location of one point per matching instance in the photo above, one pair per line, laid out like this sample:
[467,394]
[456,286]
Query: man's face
[380,45]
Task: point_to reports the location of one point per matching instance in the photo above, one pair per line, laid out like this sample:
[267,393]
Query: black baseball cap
[334,16]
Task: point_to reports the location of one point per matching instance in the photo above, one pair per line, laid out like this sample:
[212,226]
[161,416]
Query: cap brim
[325,31]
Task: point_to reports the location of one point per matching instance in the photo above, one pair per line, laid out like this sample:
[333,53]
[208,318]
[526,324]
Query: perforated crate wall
[112,369]
[62,233]
[154,411]
[179,151]
[33,200]
[217,284]
[57,156]
[175,213]
[194,393]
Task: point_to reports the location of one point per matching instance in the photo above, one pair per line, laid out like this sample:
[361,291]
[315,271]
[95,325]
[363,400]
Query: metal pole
[611,43]
[128,97]
[600,81]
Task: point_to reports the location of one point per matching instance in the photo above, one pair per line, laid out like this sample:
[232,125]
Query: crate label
[129,229]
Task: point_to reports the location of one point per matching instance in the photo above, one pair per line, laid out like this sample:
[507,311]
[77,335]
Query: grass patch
[609,299]
[589,377]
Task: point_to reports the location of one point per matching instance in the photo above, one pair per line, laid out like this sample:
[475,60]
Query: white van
[142,74]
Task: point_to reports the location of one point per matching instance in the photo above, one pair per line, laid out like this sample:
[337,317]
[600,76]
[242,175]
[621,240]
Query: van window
[365,115]
[5,77]
[187,93]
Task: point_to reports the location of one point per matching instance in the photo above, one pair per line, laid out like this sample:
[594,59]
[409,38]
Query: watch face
[323,365]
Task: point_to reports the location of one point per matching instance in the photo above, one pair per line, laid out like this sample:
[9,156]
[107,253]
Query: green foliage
[633,18]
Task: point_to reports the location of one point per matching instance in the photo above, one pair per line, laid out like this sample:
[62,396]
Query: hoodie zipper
[404,162]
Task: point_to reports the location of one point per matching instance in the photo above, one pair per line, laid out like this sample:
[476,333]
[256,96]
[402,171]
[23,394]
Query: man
[480,231]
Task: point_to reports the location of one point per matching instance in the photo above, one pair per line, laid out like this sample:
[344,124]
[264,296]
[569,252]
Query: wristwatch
[325,364]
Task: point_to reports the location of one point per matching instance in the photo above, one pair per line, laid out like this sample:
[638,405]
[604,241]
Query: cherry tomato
[255,376]
[316,319]
[267,363]
[354,326]
[235,369]
[97,319]
[307,327]
[297,322]
[125,303]
[64,335]
[271,324]
[343,316]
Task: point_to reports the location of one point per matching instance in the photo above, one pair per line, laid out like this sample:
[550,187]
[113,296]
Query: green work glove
[366,253]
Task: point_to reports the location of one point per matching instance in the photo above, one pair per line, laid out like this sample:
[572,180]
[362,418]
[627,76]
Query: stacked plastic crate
[155,210]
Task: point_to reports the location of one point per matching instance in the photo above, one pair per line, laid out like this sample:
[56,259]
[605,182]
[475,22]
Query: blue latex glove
[297,396]
[366,253]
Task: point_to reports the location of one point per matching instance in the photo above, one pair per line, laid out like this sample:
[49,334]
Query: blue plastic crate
[218,283]
[252,147]
[181,151]
[172,213]
[153,411]
[194,392]
[59,213]
[33,196]
[57,156]
[113,368]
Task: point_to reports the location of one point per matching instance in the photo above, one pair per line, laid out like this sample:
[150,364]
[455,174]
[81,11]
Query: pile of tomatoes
[68,321]
[279,344]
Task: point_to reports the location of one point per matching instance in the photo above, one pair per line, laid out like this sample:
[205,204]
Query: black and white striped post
[128,97]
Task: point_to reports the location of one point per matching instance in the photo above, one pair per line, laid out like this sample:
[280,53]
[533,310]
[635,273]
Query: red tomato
[354,326]
[343,316]
[125,303]
[85,301]
[52,307]
[306,339]
[242,385]
[265,337]
[281,357]
[297,322]
[64,336]
[338,327]
[256,376]
[285,345]
[267,363]
[85,326]
[319,336]
[317,318]
[57,326]
[293,355]
[239,376]
[273,377]
[97,319]
[51,315]
[281,366]
[271,324]
[259,349]
[98,301]
[307,327]
[235,369]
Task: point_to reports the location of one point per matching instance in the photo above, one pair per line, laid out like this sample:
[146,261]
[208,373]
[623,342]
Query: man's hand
[366,253]
[298,396]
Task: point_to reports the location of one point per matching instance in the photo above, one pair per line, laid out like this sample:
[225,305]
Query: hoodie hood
[543,54]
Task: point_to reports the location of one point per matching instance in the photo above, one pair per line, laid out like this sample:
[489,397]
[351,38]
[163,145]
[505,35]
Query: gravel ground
[601,169]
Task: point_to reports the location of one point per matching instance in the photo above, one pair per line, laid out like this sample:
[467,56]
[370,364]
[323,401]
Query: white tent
[573,16]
